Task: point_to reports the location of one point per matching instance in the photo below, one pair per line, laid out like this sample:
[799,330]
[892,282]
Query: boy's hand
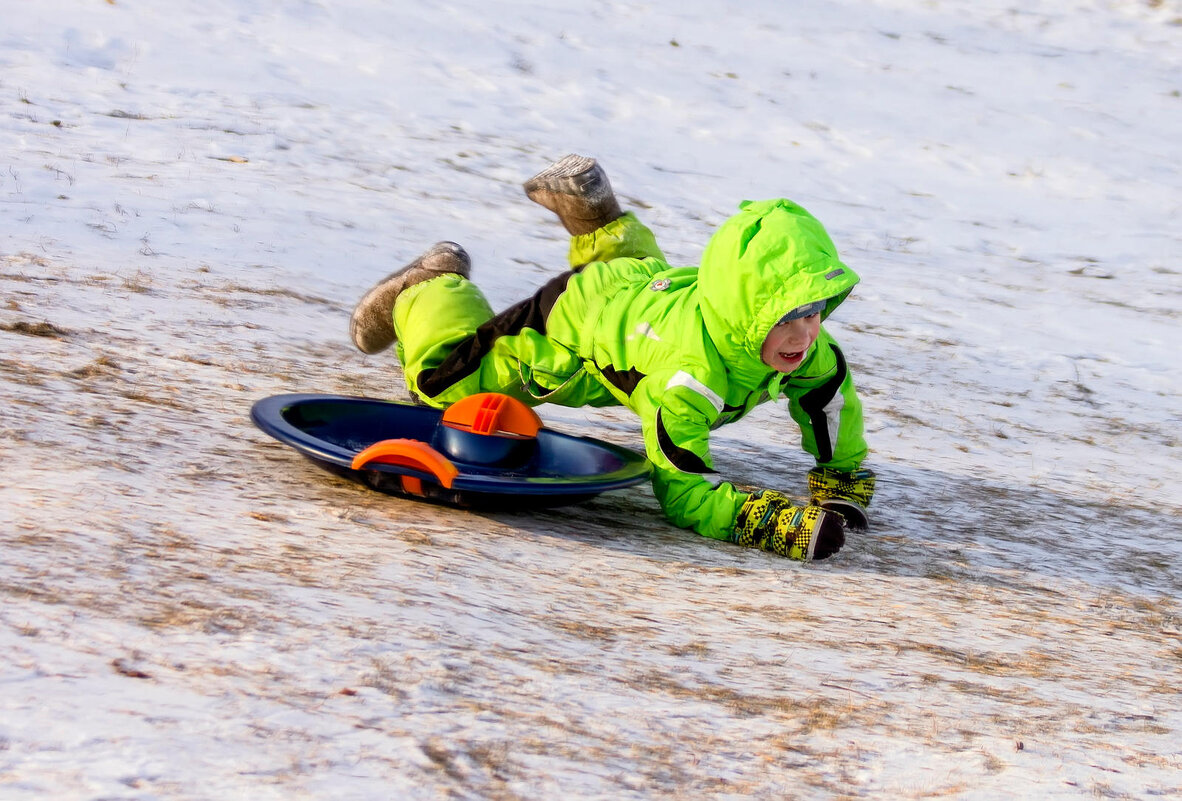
[768,520]
[846,493]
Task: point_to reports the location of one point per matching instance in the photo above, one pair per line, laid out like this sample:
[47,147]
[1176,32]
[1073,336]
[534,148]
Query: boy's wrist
[853,486]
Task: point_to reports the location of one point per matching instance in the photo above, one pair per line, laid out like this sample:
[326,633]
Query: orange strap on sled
[409,453]
[492,413]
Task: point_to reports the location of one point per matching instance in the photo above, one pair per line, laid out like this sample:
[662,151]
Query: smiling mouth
[791,357]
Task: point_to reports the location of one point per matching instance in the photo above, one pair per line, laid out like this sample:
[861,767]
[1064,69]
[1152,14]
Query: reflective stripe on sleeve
[684,379]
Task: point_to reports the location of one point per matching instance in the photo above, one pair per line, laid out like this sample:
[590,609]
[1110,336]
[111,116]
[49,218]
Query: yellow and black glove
[768,520]
[848,494]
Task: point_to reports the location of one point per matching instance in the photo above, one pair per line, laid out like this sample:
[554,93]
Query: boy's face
[788,343]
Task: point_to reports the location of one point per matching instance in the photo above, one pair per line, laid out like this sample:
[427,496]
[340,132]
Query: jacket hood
[762,263]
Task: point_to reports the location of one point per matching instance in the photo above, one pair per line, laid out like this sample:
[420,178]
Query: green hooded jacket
[680,346]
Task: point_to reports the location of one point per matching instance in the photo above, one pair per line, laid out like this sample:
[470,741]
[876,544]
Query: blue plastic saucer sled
[487,451]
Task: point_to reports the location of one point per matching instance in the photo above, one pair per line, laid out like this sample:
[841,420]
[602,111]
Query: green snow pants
[451,345]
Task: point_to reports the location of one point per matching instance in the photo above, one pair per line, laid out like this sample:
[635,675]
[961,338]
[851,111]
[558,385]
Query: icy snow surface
[193,194]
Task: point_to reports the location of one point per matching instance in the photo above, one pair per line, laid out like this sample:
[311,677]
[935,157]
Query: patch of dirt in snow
[191,610]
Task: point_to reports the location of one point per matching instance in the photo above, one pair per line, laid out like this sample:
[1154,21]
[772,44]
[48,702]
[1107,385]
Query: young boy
[686,348]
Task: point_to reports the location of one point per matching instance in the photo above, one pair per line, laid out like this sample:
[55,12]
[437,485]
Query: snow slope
[192,196]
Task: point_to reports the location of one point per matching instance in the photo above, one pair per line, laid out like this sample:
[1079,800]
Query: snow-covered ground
[193,194]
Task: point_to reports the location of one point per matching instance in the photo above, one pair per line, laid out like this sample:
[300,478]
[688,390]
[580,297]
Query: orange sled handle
[409,453]
[492,413]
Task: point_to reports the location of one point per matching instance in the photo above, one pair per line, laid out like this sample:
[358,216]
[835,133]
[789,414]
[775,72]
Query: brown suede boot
[372,324]
[577,190]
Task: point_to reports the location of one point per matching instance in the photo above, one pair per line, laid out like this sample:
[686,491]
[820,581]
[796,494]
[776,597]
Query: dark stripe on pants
[464,359]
